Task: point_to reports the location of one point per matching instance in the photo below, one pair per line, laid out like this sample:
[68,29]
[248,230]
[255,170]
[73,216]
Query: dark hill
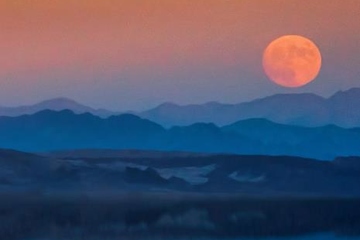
[48,131]
[248,175]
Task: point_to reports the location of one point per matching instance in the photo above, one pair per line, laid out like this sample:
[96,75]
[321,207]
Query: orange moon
[292,61]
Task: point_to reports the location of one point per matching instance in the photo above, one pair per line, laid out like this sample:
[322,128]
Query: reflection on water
[323,236]
[320,236]
[163,217]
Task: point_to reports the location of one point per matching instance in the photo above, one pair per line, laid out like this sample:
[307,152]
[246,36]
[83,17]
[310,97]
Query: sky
[136,54]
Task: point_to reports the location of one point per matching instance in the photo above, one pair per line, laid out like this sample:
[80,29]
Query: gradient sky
[135,54]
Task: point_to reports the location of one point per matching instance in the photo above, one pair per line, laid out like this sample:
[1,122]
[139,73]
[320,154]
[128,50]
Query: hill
[249,175]
[55,104]
[55,131]
[310,110]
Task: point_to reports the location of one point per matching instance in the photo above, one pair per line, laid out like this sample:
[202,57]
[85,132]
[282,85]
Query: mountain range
[50,130]
[218,168]
[56,104]
[342,109]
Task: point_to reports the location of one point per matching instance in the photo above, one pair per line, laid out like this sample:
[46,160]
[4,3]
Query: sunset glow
[143,47]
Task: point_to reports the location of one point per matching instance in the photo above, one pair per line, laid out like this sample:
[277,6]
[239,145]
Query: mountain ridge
[51,130]
[55,104]
[303,109]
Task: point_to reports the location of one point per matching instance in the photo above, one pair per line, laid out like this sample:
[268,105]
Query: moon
[292,61]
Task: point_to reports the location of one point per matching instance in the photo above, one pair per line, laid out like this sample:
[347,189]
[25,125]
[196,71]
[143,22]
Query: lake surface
[312,237]
[170,217]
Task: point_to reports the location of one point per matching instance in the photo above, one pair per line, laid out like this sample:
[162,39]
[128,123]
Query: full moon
[292,61]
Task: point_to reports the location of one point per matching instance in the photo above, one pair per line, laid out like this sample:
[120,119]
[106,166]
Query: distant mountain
[320,142]
[56,104]
[310,110]
[49,130]
[342,109]
[257,175]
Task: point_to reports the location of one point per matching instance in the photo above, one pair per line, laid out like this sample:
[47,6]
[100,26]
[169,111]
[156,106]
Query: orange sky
[110,47]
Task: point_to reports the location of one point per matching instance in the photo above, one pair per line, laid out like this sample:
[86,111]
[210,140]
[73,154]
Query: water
[160,217]
[323,236]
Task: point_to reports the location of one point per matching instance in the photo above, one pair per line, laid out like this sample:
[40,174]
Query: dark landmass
[341,109]
[65,130]
[75,195]
[111,153]
[169,172]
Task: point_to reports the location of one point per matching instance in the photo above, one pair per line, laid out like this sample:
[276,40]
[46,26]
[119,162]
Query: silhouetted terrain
[254,175]
[159,195]
[50,130]
[112,153]
[342,109]
[56,104]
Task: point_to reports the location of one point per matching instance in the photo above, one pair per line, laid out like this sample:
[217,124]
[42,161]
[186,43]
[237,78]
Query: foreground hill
[254,175]
[50,131]
[342,109]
